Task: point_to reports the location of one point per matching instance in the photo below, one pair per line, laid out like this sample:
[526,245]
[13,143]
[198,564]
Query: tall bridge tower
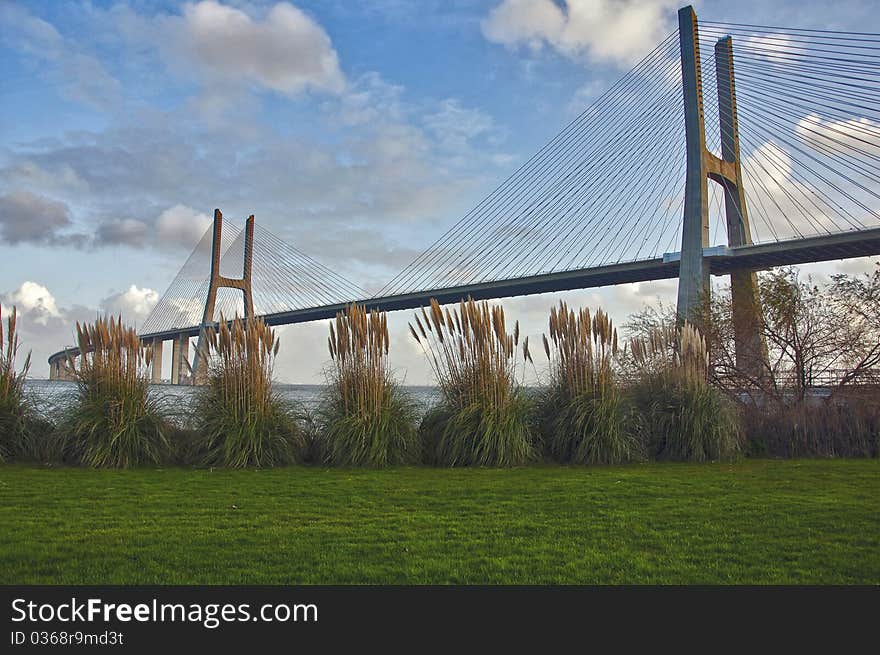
[218,281]
[702,165]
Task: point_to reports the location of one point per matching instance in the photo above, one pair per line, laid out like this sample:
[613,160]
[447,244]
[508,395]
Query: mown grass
[754,521]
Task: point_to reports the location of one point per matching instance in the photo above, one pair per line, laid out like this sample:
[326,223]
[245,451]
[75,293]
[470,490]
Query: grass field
[757,521]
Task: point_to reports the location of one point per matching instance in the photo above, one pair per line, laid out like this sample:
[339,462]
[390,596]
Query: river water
[51,396]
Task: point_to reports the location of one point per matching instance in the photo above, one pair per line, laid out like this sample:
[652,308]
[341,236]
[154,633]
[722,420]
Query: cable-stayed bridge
[728,149]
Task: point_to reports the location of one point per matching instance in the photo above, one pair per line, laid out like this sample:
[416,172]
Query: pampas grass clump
[239,419]
[586,419]
[17,418]
[113,422]
[364,418]
[483,416]
[685,417]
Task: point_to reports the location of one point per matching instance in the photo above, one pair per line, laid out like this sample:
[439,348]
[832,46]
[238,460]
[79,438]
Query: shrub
[364,417]
[113,422]
[239,419]
[483,416]
[586,419]
[685,418]
[847,426]
[17,420]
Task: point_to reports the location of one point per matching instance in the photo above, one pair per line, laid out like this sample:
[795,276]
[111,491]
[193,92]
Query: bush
[483,417]
[842,427]
[364,417]
[685,419]
[113,422]
[238,418]
[586,420]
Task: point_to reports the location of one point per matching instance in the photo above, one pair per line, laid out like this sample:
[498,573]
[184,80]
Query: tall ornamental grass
[482,418]
[113,422]
[585,417]
[685,418]
[364,417]
[239,417]
[16,413]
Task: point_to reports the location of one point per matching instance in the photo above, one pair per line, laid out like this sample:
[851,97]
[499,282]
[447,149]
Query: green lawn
[757,521]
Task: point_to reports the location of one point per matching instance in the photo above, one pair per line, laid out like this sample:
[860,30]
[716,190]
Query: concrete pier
[179,354]
[157,360]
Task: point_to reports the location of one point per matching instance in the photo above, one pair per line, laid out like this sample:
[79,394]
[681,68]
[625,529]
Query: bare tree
[811,335]
[856,300]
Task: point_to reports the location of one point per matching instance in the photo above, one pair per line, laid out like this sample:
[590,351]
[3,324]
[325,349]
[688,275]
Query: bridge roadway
[722,260]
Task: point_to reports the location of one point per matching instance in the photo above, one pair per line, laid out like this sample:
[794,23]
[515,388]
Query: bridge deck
[722,261]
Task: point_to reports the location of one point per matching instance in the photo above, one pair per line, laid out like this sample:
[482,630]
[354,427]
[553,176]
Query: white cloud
[784,191]
[769,181]
[778,48]
[46,327]
[181,226]
[368,99]
[286,51]
[454,125]
[35,299]
[528,22]
[616,31]
[133,304]
[364,160]
[840,136]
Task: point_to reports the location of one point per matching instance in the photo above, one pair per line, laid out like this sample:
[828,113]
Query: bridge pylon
[694,287]
[217,281]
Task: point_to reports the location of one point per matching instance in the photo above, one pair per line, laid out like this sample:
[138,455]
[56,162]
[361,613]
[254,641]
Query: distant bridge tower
[217,281]
[693,280]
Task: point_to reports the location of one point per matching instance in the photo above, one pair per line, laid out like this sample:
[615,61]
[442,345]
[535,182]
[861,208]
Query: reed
[686,418]
[16,412]
[585,418]
[483,417]
[364,417]
[113,422]
[239,418]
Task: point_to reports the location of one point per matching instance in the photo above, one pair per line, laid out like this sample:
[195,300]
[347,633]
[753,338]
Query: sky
[356,131]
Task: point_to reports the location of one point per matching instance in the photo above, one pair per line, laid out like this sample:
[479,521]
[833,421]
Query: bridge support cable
[560,206]
[809,106]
